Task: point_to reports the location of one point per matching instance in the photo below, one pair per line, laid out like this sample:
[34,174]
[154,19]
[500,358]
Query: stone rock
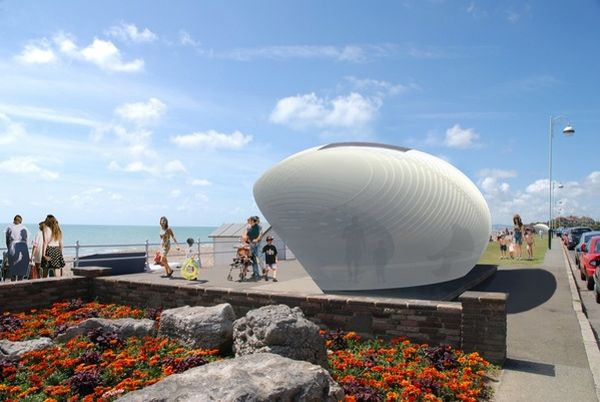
[261,377]
[199,327]
[282,330]
[124,327]
[13,350]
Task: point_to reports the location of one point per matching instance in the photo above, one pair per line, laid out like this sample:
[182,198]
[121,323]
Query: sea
[115,238]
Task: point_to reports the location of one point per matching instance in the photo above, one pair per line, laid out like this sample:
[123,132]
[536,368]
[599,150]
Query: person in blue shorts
[253,237]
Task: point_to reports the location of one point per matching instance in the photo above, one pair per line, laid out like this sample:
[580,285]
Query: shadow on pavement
[530,367]
[527,288]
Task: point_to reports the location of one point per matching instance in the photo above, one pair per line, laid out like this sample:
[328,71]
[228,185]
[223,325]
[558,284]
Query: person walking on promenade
[518,235]
[166,234]
[36,252]
[270,259]
[18,250]
[530,240]
[52,247]
[253,237]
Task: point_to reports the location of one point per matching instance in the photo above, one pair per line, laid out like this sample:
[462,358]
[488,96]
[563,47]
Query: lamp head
[568,131]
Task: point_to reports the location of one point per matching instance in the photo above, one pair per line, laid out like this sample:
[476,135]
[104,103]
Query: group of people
[251,237]
[46,257]
[511,242]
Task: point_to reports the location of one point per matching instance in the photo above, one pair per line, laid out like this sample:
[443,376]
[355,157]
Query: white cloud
[66,43]
[136,142]
[200,182]
[497,173]
[130,32]
[175,193]
[495,189]
[142,112]
[107,56]
[213,139]
[457,137]
[154,168]
[345,53]
[302,111]
[185,39]
[33,54]
[137,167]
[93,196]
[28,166]
[102,53]
[10,132]
[175,166]
[538,187]
[381,87]
[47,114]
[593,179]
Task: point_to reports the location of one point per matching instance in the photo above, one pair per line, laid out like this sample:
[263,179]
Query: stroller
[241,262]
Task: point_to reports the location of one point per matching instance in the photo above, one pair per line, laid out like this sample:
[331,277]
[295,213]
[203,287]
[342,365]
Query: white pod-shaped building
[362,216]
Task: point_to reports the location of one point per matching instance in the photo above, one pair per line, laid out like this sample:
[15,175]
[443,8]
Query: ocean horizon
[115,236]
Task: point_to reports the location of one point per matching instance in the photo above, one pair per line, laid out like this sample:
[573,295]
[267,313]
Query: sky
[119,112]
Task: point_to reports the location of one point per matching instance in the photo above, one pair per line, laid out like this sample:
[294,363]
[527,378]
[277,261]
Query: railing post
[147,249]
[199,250]
[76,262]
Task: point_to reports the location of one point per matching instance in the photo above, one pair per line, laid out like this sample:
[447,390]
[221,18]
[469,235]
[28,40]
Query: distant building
[227,238]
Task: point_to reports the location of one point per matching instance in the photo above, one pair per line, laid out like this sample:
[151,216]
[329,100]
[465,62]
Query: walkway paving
[547,359]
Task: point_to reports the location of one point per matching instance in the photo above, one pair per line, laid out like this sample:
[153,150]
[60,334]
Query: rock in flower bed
[102,366]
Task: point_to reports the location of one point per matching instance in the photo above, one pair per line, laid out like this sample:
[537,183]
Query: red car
[590,251]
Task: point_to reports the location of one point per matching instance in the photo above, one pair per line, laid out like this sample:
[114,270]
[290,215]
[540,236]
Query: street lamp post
[568,131]
[556,186]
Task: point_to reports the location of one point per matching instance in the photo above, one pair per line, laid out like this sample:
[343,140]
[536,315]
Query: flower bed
[101,367]
[399,370]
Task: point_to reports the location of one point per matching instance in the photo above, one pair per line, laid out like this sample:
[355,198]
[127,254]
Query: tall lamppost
[555,186]
[568,131]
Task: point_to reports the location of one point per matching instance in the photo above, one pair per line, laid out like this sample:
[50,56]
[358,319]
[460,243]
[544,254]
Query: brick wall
[25,295]
[477,322]
[483,325]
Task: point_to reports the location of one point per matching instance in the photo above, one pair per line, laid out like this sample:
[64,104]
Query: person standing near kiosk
[253,236]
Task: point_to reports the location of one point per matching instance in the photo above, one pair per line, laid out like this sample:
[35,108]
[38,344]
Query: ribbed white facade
[362,216]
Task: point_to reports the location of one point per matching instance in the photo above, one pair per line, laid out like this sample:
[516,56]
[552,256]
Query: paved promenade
[547,358]
[547,332]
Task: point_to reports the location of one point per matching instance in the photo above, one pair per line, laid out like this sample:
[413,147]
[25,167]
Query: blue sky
[119,112]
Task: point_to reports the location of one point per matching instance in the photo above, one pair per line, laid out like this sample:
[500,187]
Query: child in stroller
[241,262]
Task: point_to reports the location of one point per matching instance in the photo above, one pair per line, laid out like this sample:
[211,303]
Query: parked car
[584,238]
[590,253]
[575,235]
[596,263]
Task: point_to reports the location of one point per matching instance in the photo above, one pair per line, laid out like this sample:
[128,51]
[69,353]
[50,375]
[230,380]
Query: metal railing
[78,251]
